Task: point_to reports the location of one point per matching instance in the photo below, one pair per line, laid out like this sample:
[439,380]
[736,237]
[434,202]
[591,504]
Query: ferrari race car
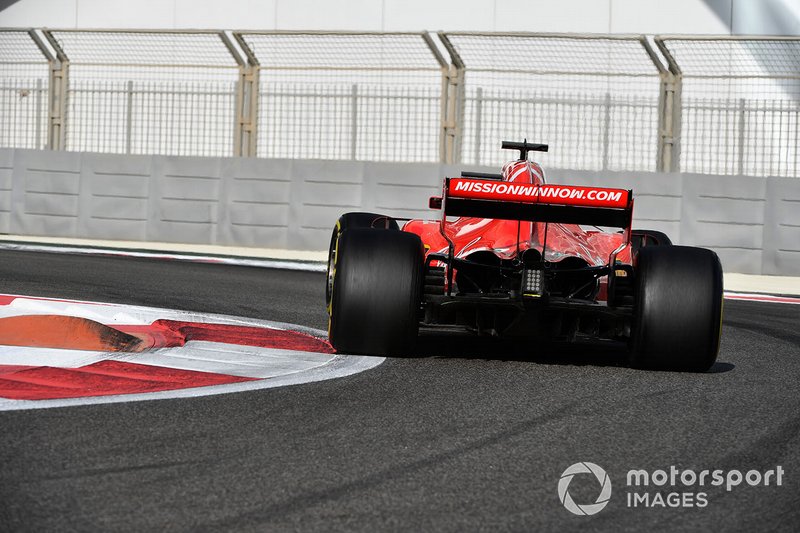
[512,256]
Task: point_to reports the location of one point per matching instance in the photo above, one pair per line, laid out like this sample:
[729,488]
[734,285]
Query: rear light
[532,283]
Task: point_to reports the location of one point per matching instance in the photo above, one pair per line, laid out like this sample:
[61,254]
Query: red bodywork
[508,238]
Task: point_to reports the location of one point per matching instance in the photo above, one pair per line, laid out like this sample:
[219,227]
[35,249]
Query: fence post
[442,118]
[669,111]
[740,138]
[58,84]
[38,115]
[478,123]
[677,114]
[606,131]
[245,129]
[353,121]
[247,123]
[669,123]
[56,127]
[128,115]
[452,124]
[452,110]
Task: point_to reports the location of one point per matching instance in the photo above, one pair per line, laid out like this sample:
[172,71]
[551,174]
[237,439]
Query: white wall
[210,200]
[596,16]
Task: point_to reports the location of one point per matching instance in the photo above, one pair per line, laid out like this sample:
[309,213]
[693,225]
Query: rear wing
[566,204]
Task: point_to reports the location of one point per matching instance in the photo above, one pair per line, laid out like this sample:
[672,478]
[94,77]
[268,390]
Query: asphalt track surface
[461,438]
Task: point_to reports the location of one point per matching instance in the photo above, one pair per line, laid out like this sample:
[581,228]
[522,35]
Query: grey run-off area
[751,222]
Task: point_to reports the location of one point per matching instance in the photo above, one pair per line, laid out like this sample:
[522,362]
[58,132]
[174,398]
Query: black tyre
[648,237]
[350,221]
[366,220]
[376,289]
[677,308]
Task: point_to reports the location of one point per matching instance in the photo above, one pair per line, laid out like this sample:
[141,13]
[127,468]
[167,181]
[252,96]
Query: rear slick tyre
[641,238]
[352,221]
[677,309]
[376,292]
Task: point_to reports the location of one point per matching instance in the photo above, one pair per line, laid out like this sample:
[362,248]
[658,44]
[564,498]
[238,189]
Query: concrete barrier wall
[752,223]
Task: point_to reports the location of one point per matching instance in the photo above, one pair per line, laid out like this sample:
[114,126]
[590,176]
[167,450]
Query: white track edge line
[285,264]
[282,264]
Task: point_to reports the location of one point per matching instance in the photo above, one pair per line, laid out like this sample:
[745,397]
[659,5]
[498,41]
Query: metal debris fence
[24,90]
[719,105]
[594,99]
[740,103]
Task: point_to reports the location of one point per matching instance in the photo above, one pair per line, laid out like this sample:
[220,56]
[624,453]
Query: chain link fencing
[24,72]
[721,105]
[740,110]
[354,96]
[593,99]
[167,93]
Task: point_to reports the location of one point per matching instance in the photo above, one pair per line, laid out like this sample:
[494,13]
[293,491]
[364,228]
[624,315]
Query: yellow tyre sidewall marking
[335,262]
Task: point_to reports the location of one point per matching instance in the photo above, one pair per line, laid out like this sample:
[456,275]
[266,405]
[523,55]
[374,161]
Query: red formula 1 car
[513,256]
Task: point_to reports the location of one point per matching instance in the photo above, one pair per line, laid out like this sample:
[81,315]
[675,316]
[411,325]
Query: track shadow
[721,368]
[460,346]
[477,347]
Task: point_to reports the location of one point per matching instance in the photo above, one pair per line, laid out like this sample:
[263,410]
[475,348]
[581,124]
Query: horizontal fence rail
[709,104]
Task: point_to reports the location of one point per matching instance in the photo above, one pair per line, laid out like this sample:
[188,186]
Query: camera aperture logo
[589,508]
[670,487]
